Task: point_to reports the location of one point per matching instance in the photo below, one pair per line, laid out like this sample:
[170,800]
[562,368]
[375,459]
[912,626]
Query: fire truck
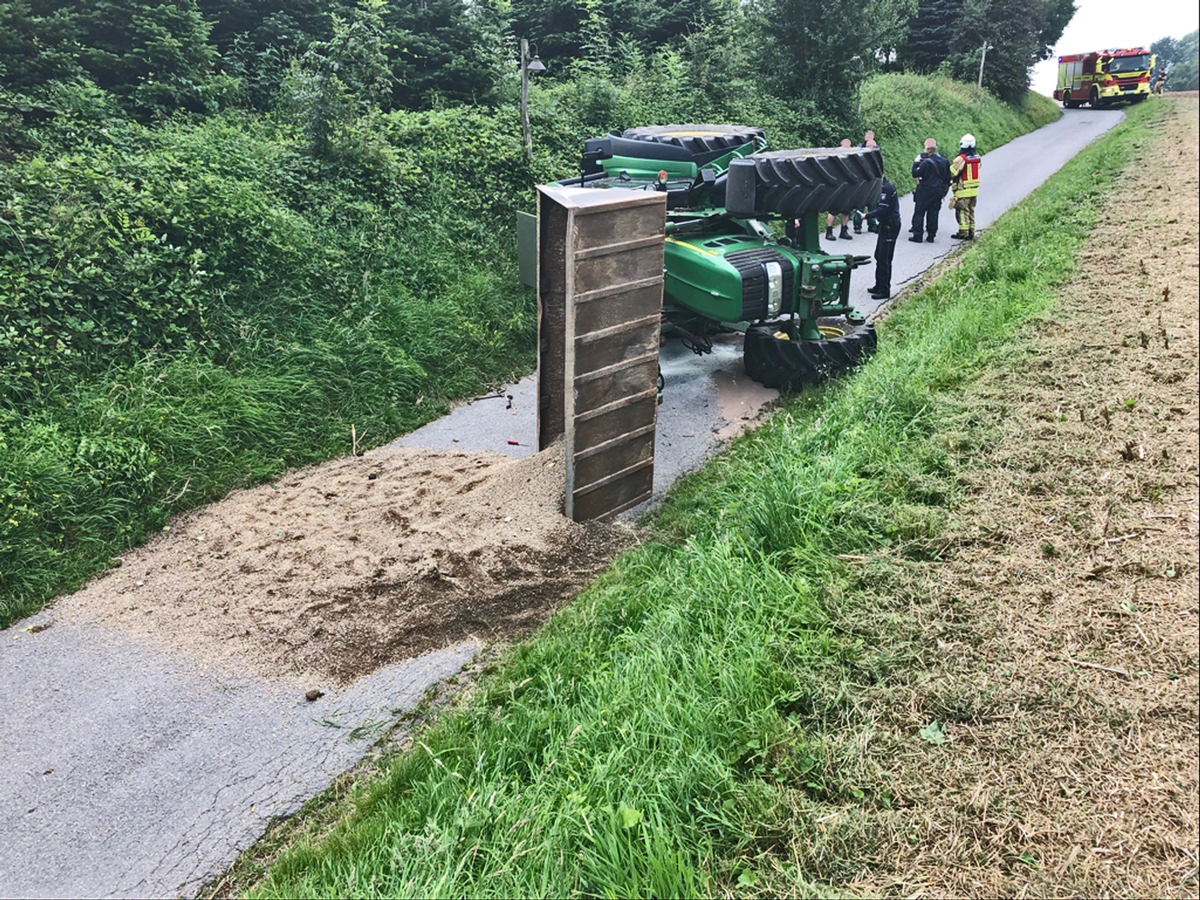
[1104,77]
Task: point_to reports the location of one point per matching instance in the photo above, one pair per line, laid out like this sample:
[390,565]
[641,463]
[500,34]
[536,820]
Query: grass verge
[669,733]
[905,109]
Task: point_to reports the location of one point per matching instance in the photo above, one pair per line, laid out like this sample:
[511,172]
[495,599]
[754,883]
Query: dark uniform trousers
[885,251]
[925,217]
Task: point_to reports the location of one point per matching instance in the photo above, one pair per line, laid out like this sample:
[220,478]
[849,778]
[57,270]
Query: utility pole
[526,133]
[982,57]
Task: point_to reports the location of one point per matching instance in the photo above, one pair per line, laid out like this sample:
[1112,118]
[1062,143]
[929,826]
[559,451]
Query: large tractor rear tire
[794,182]
[697,139]
[779,362]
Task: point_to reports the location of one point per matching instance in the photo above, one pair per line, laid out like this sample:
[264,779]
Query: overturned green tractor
[743,241]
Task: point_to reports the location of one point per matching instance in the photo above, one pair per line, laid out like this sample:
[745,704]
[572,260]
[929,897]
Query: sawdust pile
[338,569]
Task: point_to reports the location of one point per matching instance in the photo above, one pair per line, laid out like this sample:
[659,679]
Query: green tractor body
[743,241]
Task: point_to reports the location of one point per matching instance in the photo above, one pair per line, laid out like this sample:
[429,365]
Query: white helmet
[968,140]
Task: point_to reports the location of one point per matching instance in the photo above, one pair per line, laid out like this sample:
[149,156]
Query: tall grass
[662,734]
[188,309]
[102,463]
[905,109]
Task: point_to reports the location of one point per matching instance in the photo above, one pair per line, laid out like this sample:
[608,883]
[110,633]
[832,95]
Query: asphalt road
[705,397]
[129,774]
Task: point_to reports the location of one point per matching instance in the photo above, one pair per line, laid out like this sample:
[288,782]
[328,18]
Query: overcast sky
[1099,24]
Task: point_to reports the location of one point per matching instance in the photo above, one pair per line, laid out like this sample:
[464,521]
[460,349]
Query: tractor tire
[793,182]
[793,365]
[698,140]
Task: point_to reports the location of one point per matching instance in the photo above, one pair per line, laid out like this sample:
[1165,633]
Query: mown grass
[670,732]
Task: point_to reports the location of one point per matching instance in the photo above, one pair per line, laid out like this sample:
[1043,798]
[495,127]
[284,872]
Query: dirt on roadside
[335,570]
[1058,628]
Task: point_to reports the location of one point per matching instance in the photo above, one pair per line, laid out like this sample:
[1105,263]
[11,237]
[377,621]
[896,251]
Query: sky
[1099,24]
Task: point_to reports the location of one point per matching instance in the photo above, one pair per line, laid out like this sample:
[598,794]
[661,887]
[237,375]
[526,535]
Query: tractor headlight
[774,287]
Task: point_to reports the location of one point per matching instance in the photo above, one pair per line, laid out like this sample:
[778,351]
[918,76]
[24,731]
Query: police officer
[964,181]
[887,214]
[932,173]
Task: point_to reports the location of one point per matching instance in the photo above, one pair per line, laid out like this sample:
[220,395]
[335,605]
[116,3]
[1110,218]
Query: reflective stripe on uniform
[965,171]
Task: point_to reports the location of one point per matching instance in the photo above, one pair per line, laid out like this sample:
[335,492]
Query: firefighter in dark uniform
[887,214]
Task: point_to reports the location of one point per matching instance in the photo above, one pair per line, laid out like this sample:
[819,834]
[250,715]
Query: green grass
[103,463]
[669,733]
[904,110]
[195,307]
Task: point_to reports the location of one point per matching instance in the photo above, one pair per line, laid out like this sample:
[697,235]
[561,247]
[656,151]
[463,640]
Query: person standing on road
[844,216]
[932,173]
[887,214]
[964,181]
[868,143]
[1160,83]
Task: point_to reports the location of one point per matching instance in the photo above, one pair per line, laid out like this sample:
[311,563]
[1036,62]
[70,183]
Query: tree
[1021,33]
[339,80]
[290,24]
[822,49]
[257,39]
[1182,59]
[443,50]
[931,34]
[36,40]
[152,53]
[557,26]
[1017,33]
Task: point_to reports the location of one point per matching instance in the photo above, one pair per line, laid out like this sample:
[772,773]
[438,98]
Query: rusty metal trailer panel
[600,278]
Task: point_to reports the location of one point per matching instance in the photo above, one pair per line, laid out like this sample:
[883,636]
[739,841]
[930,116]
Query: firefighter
[964,182]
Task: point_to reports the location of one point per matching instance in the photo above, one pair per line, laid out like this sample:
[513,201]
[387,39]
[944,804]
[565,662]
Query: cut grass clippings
[667,734]
[1033,708]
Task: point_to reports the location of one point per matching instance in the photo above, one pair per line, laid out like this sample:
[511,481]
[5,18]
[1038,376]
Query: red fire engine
[1104,77]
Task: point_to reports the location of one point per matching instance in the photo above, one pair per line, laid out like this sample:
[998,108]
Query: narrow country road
[129,773]
[708,398]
